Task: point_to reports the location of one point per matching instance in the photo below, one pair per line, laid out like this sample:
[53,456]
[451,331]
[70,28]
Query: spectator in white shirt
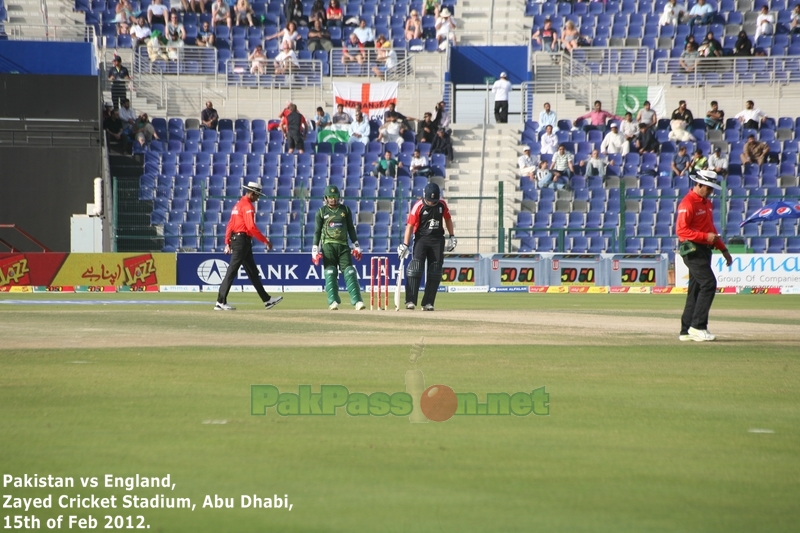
[751,117]
[545,179]
[366,35]
[614,142]
[628,128]
[596,165]
[390,131]
[549,141]
[718,162]
[359,130]
[765,23]
[701,13]
[157,13]
[526,164]
[547,117]
[445,29]
[501,90]
[140,31]
[419,165]
[671,15]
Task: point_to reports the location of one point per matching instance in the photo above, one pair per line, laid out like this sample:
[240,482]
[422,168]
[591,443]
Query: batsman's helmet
[432,192]
[331,191]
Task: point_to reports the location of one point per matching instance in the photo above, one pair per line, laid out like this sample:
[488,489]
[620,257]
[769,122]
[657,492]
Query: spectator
[548,141]
[157,46]
[680,163]
[388,66]
[501,89]
[340,117]
[445,29]
[628,128]
[386,166]
[525,163]
[359,130]
[671,15]
[197,6]
[125,17]
[157,13]
[750,116]
[244,13]
[547,37]
[765,23]
[293,10]
[754,151]
[389,131]
[715,117]
[615,142]
[144,131]
[288,34]
[295,128]
[647,116]
[432,7]
[175,31]
[547,117]
[718,162]
[128,117]
[795,20]
[562,164]
[710,47]
[399,117]
[119,77]
[570,37]
[645,141]
[442,117]
[108,109]
[319,38]
[365,34]
[205,35]
[221,13]
[420,165]
[113,128]
[323,119]
[209,118]
[701,13]
[597,118]
[140,32]
[426,129]
[413,28]
[441,144]
[334,14]
[682,113]
[743,46]
[544,178]
[258,60]
[353,51]
[286,59]
[689,58]
[699,161]
[318,13]
[596,165]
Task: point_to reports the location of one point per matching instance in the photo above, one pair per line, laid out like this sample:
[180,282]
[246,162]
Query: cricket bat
[398,286]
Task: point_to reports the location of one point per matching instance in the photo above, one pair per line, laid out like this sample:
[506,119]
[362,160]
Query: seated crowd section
[652,192]
[196,177]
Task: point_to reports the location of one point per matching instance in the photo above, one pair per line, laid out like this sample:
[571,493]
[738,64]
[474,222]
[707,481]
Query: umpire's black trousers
[241,255]
[702,288]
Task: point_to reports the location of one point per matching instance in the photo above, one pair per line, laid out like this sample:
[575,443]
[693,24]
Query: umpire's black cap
[432,192]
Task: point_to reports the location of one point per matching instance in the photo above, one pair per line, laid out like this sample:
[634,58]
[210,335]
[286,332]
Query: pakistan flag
[631,100]
[336,133]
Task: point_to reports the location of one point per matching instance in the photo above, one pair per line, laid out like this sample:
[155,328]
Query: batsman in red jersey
[238,242]
[698,237]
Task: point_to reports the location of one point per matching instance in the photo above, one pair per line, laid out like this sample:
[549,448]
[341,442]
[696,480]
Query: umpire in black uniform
[425,223]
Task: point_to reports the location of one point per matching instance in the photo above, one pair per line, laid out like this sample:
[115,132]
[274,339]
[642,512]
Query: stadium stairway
[28,14]
[133,215]
[477,26]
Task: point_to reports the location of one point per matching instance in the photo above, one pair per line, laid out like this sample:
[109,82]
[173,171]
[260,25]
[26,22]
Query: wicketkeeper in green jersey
[334,223]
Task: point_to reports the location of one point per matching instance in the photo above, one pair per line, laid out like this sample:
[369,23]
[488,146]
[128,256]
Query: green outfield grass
[645,433]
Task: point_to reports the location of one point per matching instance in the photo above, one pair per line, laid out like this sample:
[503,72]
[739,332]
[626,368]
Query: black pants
[702,288]
[751,125]
[501,111]
[118,93]
[428,251]
[241,255]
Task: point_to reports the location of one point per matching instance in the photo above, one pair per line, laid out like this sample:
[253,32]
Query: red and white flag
[373,97]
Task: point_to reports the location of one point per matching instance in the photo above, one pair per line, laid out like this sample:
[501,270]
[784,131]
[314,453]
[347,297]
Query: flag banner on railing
[631,100]
[373,97]
[335,133]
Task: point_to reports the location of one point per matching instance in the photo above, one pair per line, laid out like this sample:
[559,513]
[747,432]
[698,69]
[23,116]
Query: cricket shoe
[334,306]
[685,337]
[360,306]
[272,302]
[427,307]
[410,306]
[701,335]
[223,307]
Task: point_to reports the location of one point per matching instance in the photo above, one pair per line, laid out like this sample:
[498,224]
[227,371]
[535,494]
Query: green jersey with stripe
[334,225]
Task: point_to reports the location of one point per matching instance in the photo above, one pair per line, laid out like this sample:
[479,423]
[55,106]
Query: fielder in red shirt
[238,242]
[698,237]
